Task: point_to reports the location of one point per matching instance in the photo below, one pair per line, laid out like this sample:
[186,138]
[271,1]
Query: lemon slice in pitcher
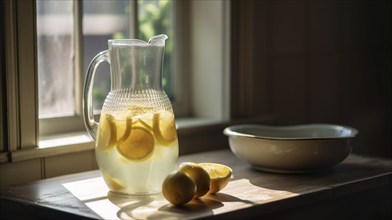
[123,129]
[114,184]
[106,133]
[138,145]
[164,128]
[140,122]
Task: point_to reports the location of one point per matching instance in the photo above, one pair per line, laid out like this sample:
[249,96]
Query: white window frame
[22,115]
[21,79]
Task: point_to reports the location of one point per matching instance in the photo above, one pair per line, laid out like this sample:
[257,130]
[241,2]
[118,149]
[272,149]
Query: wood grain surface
[249,194]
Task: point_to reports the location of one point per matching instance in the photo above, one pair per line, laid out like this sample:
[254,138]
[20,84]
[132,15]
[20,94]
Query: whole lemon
[178,188]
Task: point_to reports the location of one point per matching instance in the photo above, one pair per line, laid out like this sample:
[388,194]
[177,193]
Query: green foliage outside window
[155,17]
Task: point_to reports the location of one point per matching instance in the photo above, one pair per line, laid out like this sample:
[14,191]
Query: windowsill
[56,145]
[80,141]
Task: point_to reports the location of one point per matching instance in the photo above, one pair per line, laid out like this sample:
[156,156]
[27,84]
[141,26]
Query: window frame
[20,59]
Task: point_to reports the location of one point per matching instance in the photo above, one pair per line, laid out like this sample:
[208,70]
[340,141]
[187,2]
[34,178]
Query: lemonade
[136,149]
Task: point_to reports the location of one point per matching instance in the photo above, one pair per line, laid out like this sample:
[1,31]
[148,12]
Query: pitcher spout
[158,40]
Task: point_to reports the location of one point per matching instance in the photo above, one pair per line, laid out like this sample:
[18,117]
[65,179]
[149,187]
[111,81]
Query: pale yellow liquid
[142,169]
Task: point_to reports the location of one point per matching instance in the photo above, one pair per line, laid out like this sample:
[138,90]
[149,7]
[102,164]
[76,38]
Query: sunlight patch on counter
[238,194]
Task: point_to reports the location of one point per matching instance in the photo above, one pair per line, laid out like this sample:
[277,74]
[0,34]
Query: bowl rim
[232,131]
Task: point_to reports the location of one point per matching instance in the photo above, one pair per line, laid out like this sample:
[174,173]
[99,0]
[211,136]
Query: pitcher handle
[88,115]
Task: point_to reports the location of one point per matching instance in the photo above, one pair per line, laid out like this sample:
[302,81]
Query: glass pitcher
[136,137]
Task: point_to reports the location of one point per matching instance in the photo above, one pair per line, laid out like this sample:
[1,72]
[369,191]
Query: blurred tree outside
[155,17]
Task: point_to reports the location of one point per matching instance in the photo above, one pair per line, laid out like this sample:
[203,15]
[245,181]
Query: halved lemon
[220,175]
[164,128]
[199,175]
[138,145]
[106,133]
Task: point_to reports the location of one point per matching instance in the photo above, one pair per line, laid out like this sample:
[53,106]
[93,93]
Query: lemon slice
[199,175]
[140,122]
[220,175]
[138,145]
[178,188]
[123,129]
[164,128]
[106,133]
[114,184]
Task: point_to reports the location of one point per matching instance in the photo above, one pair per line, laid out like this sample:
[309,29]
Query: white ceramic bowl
[291,149]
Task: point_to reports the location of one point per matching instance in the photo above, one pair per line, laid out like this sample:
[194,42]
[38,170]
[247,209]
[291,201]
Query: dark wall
[315,62]
[3,109]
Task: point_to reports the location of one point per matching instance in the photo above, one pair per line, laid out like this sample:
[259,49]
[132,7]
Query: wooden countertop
[345,190]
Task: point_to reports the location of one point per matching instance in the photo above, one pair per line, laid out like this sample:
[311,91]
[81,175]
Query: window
[199,91]
[67,29]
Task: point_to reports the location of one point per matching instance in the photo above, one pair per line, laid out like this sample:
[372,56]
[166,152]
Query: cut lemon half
[220,175]
[164,128]
[138,145]
[106,133]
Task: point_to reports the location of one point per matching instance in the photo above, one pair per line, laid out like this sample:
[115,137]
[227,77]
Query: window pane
[156,17]
[103,20]
[55,58]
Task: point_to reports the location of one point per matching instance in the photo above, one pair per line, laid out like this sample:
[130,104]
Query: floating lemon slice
[199,175]
[114,184]
[140,122]
[138,145]
[123,129]
[220,175]
[106,133]
[164,128]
